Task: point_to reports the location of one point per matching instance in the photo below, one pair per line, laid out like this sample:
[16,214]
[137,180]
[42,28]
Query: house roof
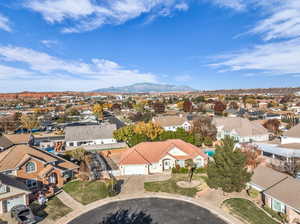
[12,157]
[166,121]
[5,142]
[18,138]
[287,191]
[242,126]
[152,152]
[13,181]
[265,177]
[294,132]
[89,132]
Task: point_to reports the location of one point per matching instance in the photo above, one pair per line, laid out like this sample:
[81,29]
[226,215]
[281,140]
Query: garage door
[134,170]
[15,201]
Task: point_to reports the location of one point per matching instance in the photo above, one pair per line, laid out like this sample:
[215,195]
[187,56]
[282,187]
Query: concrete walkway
[69,201]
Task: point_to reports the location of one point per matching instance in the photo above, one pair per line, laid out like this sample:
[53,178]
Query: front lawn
[53,210]
[88,191]
[170,186]
[248,211]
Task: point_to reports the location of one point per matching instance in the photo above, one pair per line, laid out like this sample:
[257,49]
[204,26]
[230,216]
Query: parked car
[23,214]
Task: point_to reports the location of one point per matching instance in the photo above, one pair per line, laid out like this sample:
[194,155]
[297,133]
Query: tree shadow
[126,217]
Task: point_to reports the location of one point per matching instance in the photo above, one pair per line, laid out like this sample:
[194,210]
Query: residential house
[157,157]
[241,129]
[90,135]
[171,123]
[279,192]
[12,192]
[4,143]
[292,135]
[35,167]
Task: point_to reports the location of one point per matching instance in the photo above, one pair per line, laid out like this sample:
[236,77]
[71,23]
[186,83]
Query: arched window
[30,167]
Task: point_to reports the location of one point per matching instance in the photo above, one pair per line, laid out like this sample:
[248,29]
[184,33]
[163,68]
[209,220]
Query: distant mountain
[146,88]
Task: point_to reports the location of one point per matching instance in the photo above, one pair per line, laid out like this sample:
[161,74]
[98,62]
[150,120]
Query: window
[31,183]
[30,167]
[71,144]
[277,206]
[3,188]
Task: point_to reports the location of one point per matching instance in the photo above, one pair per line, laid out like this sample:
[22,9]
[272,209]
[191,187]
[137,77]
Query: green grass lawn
[170,186]
[54,209]
[248,211]
[87,191]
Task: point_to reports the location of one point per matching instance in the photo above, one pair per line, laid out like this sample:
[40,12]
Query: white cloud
[277,58]
[49,43]
[7,72]
[5,23]
[279,27]
[99,72]
[88,15]
[238,5]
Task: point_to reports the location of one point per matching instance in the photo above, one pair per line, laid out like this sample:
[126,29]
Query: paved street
[149,211]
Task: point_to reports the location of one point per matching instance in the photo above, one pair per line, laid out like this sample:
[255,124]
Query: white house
[241,129]
[90,135]
[157,157]
[172,122]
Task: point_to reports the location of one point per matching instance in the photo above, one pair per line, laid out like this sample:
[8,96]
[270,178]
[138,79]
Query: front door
[167,164]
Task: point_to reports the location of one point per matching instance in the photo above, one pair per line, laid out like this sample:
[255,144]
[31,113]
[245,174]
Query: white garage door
[15,201]
[134,170]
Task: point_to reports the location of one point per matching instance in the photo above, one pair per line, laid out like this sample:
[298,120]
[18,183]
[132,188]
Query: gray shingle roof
[5,142]
[13,181]
[89,132]
[242,126]
[294,132]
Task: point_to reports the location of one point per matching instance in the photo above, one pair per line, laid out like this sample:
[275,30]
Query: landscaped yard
[248,211]
[170,186]
[87,191]
[54,209]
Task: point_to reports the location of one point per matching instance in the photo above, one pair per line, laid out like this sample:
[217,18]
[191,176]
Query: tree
[29,122]
[272,125]
[187,106]
[98,111]
[219,107]
[203,127]
[252,156]
[233,105]
[71,111]
[150,129]
[116,106]
[159,107]
[78,154]
[228,169]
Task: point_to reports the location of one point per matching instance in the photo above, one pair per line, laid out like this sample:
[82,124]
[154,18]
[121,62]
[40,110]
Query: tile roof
[152,152]
[89,132]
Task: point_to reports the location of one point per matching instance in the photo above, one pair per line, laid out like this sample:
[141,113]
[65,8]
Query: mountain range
[145,88]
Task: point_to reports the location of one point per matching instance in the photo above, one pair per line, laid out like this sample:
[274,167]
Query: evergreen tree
[228,170]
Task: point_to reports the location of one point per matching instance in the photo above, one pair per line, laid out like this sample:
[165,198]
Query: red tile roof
[152,152]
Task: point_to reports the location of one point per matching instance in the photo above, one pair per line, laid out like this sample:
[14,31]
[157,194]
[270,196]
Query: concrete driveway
[148,211]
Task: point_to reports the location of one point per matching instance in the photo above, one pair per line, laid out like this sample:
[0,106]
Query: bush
[276,215]
[184,170]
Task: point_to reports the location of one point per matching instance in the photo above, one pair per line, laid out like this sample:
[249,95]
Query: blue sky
[53,45]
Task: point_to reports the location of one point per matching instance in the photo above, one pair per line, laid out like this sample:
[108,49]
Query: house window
[3,189]
[277,206]
[31,183]
[71,144]
[30,167]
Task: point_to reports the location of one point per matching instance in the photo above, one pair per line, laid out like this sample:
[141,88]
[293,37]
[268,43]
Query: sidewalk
[69,201]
